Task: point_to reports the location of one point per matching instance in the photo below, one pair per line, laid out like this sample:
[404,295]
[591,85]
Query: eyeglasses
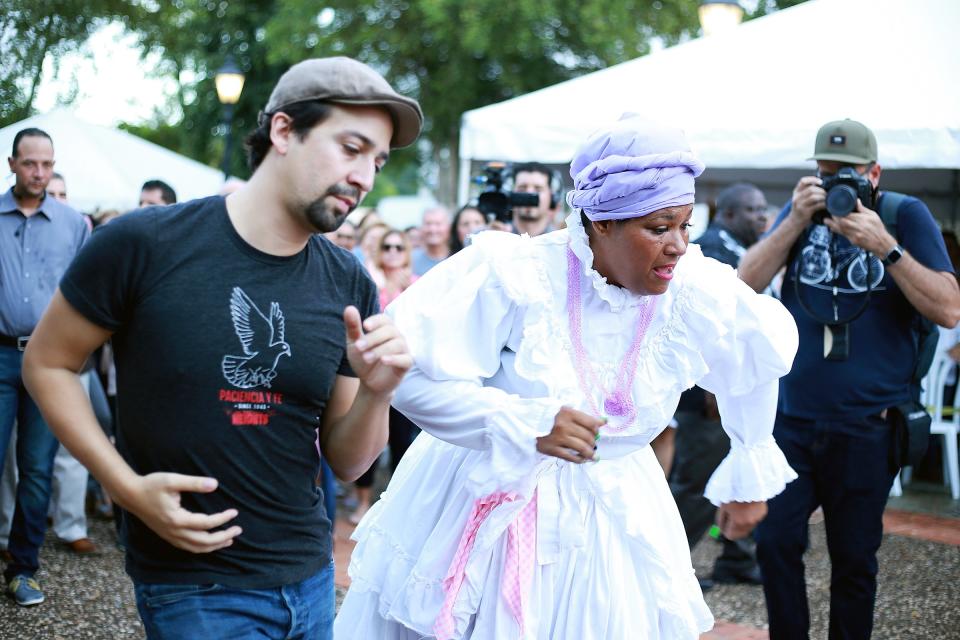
[346,236]
[392,247]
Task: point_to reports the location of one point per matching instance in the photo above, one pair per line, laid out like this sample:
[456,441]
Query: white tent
[104,168]
[753,97]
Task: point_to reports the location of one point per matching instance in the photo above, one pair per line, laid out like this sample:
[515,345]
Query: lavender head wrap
[631,168]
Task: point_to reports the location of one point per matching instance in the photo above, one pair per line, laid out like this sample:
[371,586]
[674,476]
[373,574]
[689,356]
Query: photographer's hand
[765,258]
[934,294]
[808,198]
[864,228]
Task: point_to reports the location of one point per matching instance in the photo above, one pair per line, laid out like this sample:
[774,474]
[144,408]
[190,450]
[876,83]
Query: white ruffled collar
[616,297]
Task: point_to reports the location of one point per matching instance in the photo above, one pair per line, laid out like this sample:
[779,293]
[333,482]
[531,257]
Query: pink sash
[518,567]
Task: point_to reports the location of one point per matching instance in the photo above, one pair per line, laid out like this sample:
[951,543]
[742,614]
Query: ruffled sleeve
[745,364]
[457,320]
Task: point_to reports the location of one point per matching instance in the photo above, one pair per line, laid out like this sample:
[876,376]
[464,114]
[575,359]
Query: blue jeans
[203,611]
[843,466]
[36,448]
[328,484]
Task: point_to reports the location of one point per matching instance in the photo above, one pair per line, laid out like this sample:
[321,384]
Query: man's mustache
[344,190]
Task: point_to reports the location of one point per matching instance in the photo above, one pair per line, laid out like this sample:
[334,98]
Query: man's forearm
[934,294]
[67,410]
[352,442]
[762,261]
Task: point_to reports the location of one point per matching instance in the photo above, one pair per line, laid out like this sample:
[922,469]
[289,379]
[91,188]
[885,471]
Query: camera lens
[841,200]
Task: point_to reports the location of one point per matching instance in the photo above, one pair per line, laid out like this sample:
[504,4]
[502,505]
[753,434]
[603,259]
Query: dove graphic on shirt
[262,340]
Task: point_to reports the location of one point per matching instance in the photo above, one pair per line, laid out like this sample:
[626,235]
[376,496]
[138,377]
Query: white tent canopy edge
[104,168]
[755,96]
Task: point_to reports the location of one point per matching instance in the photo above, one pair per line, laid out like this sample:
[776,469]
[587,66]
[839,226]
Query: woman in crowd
[532,506]
[392,260]
[466,222]
[366,249]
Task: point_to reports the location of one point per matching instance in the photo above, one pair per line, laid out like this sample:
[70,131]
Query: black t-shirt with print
[225,358]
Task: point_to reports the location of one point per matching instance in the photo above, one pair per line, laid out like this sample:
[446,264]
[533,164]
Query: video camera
[843,190]
[496,203]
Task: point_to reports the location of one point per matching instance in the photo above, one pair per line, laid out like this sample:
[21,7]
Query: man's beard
[29,190]
[322,217]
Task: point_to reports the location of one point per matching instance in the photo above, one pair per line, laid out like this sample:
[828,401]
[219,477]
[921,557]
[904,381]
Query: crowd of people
[569,398]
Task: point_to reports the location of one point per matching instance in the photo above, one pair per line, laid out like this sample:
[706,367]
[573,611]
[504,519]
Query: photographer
[533,204]
[856,288]
[533,177]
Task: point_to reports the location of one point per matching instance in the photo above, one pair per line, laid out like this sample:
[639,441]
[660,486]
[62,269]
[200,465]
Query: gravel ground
[87,596]
[918,596]
[919,599]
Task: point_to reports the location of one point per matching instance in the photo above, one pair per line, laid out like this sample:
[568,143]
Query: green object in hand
[714,532]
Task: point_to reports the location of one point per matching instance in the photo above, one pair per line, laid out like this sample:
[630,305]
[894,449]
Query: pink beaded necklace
[619,401]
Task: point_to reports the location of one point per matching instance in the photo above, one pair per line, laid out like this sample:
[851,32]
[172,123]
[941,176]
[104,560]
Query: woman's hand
[737,519]
[573,437]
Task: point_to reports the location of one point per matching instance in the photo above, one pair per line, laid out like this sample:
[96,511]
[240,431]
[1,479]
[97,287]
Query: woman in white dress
[532,506]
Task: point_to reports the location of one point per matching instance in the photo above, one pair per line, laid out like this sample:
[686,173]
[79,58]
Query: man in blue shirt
[39,236]
[856,292]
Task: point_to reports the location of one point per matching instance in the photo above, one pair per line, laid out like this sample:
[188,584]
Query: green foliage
[195,37]
[33,30]
[160,133]
[769,6]
[454,55]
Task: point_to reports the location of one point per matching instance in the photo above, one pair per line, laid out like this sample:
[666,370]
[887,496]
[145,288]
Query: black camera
[496,203]
[843,190]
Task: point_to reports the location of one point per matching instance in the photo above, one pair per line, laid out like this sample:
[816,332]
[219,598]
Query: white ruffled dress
[493,365]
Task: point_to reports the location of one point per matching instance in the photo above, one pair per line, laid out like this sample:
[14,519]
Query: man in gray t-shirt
[241,336]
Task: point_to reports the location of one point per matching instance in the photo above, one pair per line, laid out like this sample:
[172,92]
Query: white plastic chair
[946,420]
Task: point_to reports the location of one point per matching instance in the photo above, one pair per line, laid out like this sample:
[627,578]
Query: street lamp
[229,81]
[717,16]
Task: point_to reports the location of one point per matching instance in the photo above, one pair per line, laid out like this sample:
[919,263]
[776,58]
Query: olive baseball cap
[347,81]
[845,141]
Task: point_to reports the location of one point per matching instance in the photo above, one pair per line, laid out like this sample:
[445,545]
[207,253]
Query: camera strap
[836,330]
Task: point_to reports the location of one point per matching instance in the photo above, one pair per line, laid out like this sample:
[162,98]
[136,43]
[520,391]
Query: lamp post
[229,81]
[717,16]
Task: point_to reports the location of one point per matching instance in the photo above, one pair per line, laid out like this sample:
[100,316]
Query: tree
[194,38]
[454,56]
[769,6]
[32,31]
[451,55]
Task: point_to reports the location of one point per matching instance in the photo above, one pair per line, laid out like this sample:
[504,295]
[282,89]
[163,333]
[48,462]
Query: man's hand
[376,351]
[808,198]
[864,228]
[156,501]
[737,519]
[573,437]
